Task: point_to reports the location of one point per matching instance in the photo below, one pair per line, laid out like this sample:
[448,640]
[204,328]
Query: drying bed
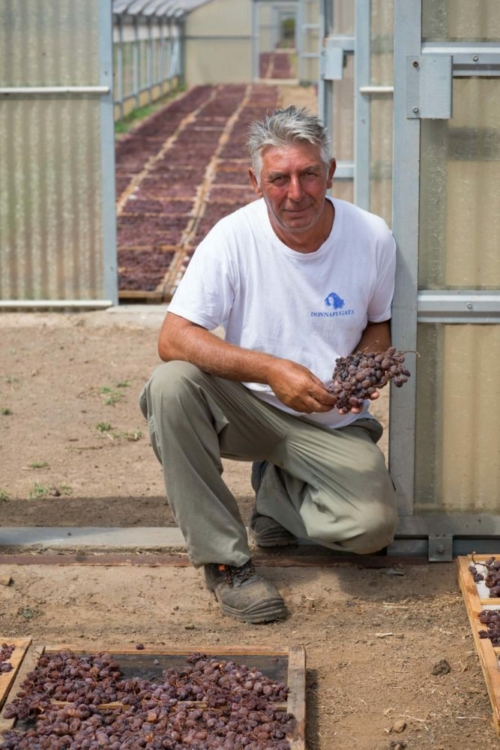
[149,696]
[177,174]
[477,601]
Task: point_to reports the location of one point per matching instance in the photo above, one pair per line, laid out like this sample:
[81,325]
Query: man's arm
[376,338]
[293,384]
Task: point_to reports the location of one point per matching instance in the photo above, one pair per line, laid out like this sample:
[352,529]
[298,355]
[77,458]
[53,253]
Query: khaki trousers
[331,486]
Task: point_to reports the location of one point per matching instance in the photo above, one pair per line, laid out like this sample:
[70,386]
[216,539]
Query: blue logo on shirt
[333,300]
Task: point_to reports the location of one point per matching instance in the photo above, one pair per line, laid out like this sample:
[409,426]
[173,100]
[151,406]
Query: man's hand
[298,388]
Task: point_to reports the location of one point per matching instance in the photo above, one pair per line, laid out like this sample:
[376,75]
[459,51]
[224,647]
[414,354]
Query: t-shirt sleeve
[205,294]
[379,308]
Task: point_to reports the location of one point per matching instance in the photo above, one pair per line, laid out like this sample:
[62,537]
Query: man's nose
[295,188]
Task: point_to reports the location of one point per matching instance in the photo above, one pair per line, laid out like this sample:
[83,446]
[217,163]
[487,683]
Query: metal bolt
[469,306]
[415,64]
[416,110]
[475,58]
[440,549]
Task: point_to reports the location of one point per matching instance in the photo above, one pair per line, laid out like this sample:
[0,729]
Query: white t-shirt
[307,307]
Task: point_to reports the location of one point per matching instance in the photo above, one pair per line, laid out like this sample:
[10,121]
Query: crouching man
[296,279]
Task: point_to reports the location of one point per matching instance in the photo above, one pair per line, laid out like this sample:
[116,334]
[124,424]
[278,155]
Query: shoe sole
[268,611]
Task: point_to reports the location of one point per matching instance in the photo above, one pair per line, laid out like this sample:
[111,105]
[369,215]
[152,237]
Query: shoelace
[238,576]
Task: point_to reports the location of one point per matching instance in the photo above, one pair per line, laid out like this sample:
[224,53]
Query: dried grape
[6,652]
[490,574]
[357,376]
[84,702]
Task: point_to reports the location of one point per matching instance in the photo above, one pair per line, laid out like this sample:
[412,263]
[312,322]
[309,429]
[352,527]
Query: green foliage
[134,117]
[39,490]
[4,495]
[123,384]
[5,412]
[39,465]
[104,426]
[112,397]
[132,435]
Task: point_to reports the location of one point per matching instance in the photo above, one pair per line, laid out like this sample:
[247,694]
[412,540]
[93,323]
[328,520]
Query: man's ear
[331,172]
[255,184]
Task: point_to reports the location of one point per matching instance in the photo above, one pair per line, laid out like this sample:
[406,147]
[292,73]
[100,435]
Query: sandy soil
[372,637]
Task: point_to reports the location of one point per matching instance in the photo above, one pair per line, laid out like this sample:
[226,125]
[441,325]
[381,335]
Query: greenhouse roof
[160,8]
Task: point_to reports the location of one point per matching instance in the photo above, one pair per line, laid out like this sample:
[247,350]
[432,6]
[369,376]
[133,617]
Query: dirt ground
[74,451]
[70,424]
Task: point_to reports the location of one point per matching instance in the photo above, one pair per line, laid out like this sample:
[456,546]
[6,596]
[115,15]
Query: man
[296,279]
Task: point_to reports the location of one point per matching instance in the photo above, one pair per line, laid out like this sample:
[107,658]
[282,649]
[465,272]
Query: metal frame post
[150,60]
[136,62]
[108,151]
[362,105]
[255,40]
[405,202]
[119,74]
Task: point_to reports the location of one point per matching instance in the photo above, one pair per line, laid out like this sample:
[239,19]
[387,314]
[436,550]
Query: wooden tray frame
[296,676]
[7,678]
[489,655]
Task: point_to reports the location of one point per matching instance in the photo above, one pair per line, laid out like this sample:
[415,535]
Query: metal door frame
[412,102]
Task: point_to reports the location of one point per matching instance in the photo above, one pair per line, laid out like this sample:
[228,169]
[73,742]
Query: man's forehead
[274,157]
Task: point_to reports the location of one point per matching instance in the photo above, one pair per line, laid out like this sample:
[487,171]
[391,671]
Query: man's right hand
[298,388]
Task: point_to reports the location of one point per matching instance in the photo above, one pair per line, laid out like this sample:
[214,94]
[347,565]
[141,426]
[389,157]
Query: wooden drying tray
[287,665]
[7,678]
[489,655]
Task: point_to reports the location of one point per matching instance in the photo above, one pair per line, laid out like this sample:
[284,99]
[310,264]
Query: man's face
[293,183]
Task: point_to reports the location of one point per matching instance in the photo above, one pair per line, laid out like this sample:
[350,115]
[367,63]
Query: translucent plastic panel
[381,156]
[128,68]
[206,60]
[381,42]
[50,199]
[49,43]
[461,20]
[343,16]
[460,191]
[343,189]
[343,114]
[457,432]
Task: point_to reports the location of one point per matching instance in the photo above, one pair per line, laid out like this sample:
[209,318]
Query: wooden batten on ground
[7,678]
[287,665]
[489,655]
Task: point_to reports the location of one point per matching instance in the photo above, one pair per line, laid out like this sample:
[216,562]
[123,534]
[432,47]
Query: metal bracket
[429,86]
[332,57]
[440,548]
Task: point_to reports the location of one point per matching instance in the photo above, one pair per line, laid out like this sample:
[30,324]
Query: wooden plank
[155,296]
[297,697]
[7,678]
[29,662]
[487,656]
[166,650]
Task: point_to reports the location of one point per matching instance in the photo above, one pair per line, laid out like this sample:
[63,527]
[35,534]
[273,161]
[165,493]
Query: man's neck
[309,240]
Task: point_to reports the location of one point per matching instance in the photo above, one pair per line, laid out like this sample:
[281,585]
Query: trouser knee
[376,530]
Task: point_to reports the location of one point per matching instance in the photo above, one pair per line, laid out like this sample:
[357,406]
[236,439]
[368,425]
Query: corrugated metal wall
[51,155]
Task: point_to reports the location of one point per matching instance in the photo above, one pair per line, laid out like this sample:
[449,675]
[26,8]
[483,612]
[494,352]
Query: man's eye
[281,180]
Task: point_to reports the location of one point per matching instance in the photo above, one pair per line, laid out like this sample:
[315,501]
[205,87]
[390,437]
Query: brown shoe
[243,594]
[266,532]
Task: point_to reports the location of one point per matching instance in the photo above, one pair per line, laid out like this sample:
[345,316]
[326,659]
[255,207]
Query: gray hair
[284,128]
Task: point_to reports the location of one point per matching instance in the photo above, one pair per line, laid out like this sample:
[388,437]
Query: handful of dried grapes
[357,376]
